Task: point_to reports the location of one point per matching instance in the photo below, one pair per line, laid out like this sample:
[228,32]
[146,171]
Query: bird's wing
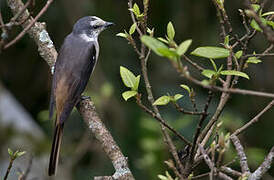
[72,77]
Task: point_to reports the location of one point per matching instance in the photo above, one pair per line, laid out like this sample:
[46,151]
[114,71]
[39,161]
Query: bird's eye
[96,27]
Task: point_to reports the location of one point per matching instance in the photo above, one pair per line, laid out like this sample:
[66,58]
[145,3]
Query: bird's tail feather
[55,149]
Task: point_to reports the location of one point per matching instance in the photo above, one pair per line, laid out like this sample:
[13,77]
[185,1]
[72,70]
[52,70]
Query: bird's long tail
[55,149]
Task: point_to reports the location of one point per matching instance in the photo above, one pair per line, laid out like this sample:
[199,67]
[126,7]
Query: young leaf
[136,9]
[208,73]
[132,28]
[153,44]
[183,47]
[255,26]
[238,54]
[10,152]
[169,53]
[268,13]
[255,7]
[170,31]
[163,40]
[123,35]
[213,64]
[163,100]
[128,94]
[177,97]
[185,87]
[253,60]
[270,23]
[137,81]
[20,153]
[211,52]
[128,77]
[234,73]
[226,42]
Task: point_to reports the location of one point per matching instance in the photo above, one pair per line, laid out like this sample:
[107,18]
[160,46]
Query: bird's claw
[85,97]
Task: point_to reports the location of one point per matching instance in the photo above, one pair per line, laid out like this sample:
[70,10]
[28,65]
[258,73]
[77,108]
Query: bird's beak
[108,24]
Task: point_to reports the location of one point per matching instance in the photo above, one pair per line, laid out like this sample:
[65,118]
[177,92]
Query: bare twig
[9,168]
[241,154]
[185,111]
[19,36]
[162,121]
[254,120]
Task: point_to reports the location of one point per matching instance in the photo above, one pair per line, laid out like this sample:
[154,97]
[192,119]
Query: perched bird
[75,62]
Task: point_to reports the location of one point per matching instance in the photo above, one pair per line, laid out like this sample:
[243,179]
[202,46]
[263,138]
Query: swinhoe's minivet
[75,62]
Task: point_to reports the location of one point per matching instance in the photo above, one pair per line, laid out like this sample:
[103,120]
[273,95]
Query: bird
[75,63]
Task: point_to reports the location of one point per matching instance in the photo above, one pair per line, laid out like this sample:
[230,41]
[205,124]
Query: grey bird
[74,65]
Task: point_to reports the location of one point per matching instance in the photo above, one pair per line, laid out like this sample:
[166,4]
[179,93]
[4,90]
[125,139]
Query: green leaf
[213,64]
[226,42]
[150,31]
[183,47]
[163,100]
[132,28]
[136,9]
[177,97]
[128,77]
[153,44]
[169,53]
[186,88]
[163,40]
[137,81]
[255,7]
[268,13]
[255,26]
[239,54]
[170,31]
[208,73]
[123,35]
[20,153]
[211,52]
[235,73]
[270,23]
[10,152]
[253,60]
[128,94]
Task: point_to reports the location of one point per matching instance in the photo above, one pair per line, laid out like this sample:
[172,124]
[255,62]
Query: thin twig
[254,120]
[186,112]
[9,168]
[162,121]
[19,36]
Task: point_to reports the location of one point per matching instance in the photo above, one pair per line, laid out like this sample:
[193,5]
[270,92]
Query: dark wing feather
[77,68]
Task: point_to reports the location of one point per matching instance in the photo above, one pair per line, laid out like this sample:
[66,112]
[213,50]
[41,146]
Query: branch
[162,121]
[264,167]
[119,161]
[86,108]
[19,36]
[254,120]
[241,154]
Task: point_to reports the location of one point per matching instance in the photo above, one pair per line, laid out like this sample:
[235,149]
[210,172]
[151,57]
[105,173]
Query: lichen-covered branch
[92,119]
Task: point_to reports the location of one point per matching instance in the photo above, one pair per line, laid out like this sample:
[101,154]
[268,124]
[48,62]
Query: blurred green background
[25,74]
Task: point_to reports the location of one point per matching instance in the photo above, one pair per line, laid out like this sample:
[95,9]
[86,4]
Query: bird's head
[90,26]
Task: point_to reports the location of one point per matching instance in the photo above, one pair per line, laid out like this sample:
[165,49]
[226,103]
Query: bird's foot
[84,97]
